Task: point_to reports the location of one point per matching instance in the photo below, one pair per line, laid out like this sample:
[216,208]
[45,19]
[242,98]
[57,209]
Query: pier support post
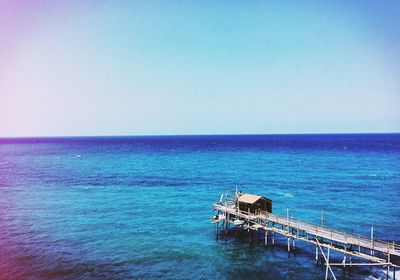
[316,253]
[273,238]
[236,230]
[327,264]
[372,240]
[288,245]
[266,238]
[387,273]
[227,225]
[344,260]
[249,230]
[287,220]
[250,235]
[388,267]
[226,235]
[294,245]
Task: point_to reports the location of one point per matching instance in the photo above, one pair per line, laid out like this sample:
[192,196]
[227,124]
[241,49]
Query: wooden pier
[372,252]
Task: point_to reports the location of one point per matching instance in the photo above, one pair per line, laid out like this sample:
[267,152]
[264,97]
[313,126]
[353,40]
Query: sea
[140,207]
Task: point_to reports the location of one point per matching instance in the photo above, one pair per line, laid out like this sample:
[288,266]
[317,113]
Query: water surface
[140,207]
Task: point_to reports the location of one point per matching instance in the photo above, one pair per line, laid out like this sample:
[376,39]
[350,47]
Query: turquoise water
[140,207]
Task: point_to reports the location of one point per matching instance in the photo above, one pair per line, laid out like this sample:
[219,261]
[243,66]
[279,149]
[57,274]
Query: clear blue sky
[198,67]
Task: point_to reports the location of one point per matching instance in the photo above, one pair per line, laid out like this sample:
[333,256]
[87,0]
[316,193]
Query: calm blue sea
[140,207]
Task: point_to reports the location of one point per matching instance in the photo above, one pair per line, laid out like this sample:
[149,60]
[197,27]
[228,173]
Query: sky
[70,68]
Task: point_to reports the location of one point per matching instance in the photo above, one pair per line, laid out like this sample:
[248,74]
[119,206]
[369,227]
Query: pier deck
[376,252]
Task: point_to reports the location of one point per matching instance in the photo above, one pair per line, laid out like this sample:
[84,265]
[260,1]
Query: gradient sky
[198,67]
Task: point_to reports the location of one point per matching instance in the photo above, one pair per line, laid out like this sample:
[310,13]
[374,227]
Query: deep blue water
[140,207]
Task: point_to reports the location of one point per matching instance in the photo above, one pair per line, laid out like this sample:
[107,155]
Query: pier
[247,212]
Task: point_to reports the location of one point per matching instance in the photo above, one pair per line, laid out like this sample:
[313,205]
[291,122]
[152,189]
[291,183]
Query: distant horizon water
[194,134]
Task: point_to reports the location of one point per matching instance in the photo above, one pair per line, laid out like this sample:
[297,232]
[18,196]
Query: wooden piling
[327,264]
[294,245]
[250,233]
[387,273]
[372,240]
[226,225]
[344,260]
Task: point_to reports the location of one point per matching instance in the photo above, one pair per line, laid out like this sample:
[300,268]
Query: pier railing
[311,228]
[331,233]
[375,252]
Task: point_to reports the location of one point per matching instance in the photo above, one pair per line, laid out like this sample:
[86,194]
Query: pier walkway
[375,252]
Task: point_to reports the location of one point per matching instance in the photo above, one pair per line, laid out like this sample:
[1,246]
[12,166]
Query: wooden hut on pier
[253,202]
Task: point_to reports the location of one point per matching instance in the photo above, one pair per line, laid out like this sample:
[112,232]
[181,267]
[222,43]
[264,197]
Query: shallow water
[140,207]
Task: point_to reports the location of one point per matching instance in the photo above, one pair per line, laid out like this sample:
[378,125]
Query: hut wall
[262,204]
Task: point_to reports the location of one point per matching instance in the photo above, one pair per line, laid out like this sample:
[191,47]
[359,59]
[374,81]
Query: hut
[254,202]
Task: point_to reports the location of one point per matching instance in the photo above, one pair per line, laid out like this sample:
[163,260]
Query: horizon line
[190,134]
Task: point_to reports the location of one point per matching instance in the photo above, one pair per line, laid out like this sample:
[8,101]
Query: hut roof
[248,198]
